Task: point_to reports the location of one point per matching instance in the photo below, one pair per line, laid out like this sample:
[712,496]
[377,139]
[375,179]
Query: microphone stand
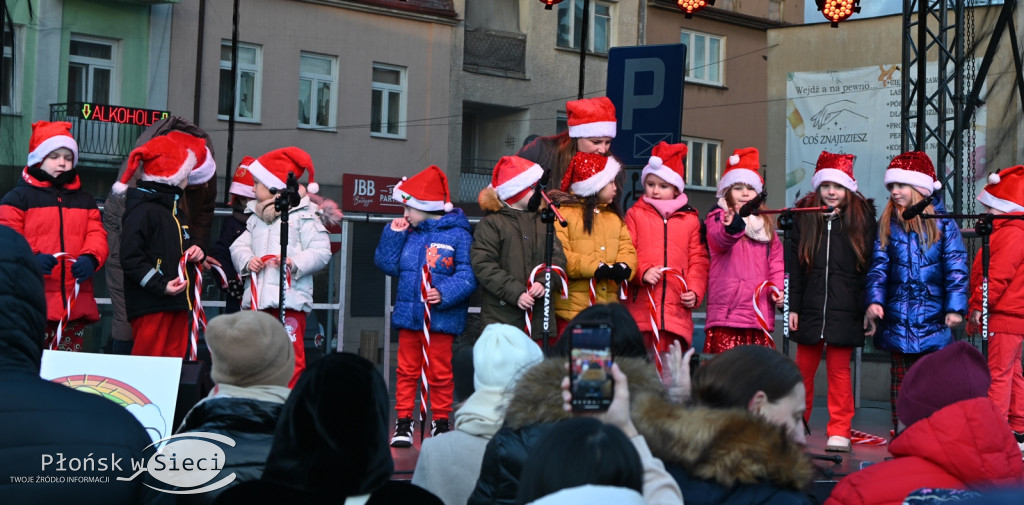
[548,217]
[983,226]
[287,197]
[785,222]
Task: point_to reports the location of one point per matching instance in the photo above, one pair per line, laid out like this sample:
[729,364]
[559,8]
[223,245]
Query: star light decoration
[690,6]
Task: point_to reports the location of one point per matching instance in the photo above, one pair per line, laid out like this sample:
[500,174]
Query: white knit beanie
[501,354]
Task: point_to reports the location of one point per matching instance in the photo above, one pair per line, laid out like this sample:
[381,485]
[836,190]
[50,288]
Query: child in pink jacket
[672,276]
[746,262]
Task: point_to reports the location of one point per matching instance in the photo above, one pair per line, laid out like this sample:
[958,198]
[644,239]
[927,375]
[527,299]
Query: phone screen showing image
[590,367]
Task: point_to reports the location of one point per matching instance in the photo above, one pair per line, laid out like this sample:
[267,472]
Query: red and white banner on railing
[562,276]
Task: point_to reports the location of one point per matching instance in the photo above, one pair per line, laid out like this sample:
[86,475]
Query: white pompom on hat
[591,117]
[913,168]
[667,161]
[742,168]
[426,191]
[47,137]
[272,169]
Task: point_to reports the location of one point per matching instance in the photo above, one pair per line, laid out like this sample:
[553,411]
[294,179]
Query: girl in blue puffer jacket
[917,285]
[430,242]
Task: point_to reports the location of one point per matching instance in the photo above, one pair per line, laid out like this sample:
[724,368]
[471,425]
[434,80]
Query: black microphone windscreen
[916,209]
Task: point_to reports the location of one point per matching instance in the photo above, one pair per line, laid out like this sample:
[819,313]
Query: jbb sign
[369,193]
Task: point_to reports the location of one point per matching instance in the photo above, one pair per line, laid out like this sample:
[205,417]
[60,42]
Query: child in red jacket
[1004,195]
[672,275]
[62,224]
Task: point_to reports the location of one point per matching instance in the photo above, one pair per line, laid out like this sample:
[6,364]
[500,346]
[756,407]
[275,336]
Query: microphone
[751,206]
[916,209]
[538,188]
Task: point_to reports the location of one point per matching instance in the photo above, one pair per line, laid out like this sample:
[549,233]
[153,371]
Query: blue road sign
[646,85]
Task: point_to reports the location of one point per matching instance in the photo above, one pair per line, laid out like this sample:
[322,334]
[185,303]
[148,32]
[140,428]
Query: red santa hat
[589,172]
[167,159]
[742,168]
[513,177]
[837,168]
[206,168]
[913,168]
[426,191]
[1005,190]
[241,181]
[47,137]
[272,169]
[667,161]
[591,117]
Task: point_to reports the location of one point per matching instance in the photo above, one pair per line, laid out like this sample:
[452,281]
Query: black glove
[604,272]
[83,268]
[46,262]
[236,288]
[621,272]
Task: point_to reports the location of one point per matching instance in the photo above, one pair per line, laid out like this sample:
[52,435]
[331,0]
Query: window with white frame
[248,85]
[92,70]
[388,101]
[10,85]
[705,54]
[317,75]
[570,25]
[702,159]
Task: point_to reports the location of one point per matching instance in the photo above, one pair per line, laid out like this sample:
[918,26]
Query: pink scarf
[667,207]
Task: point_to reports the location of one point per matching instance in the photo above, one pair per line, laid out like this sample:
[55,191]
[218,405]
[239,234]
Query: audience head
[249,348]
[626,338]
[501,354]
[21,290]
[332,437]
[954,373]
[759,379]
[577,452]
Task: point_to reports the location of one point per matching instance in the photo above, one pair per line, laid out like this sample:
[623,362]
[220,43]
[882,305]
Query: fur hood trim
[728,446]
[538,395]
[564,198]
[488,200]
[327,209]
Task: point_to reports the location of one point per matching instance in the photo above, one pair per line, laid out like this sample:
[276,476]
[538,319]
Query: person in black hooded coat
[331,442]
[39,417]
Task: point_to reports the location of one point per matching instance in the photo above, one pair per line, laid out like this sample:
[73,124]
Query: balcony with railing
[106,134]
[494,52]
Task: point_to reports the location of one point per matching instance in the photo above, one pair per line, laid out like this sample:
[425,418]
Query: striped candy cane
[533,278]
[254,287]
[757,309]
[652,310]
[593,291]
[425,287]
[66,318]
[198,314]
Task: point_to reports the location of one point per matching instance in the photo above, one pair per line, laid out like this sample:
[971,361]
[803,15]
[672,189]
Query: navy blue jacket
[444,245]
[918,287]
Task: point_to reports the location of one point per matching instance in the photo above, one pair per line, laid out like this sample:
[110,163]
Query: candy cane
[424,289]
[198,314]
[593,291]
[757,309]
[253,286]
[652,310]
[66,318]
[221,274]
[533,278]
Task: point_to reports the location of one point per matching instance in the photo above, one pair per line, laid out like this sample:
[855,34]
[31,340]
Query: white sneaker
[837,444]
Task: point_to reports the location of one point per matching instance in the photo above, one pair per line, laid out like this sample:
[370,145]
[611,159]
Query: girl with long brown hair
[833,252]
[917,283]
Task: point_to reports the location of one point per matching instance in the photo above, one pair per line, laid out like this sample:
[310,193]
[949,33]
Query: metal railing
[113,141]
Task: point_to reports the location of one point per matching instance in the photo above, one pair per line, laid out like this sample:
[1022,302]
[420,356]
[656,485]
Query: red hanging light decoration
[549,3]
[690,6]
[838,10]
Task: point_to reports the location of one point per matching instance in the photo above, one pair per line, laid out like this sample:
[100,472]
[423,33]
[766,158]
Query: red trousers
[439,373]
[1007,388]
[295,325]
[665,338]
[161,334]
[840,385]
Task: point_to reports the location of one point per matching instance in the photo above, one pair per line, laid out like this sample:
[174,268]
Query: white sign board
[145,386]
[856,111]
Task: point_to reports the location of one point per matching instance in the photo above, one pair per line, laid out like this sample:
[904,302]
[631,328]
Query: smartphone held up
[590,367]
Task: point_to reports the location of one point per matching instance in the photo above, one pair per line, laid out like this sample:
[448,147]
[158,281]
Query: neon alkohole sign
[119,114]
